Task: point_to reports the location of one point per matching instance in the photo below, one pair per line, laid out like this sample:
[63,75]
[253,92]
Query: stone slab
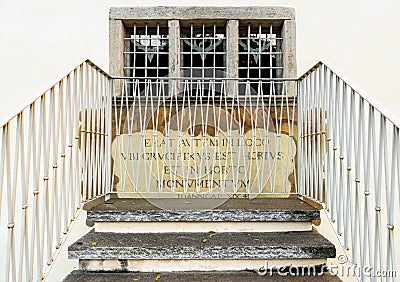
[188,12]
[267,245]
[191,210]
[243,276]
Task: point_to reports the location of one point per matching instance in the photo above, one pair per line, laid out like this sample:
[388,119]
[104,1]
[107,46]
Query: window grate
[260,53]
[203,53]
[146,51]
[203,50]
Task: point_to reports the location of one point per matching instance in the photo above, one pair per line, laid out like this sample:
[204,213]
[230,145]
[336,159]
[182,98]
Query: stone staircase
[202,240]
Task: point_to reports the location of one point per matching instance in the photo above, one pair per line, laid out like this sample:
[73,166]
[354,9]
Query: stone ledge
[196,12]
[272,245]
[242,276]
[203,215]
[191,210]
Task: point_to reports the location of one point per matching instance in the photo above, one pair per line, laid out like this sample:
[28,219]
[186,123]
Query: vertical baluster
[356,222]
[39,155]
[10,263]
[71,170]
[326,105]
[363,189]
[390,195]
[335,136]
[87,186]
[84,127]
[55,215]
[128,125]
[102,162]
[352,223]
[300,138]
[321,137]
[330,140]
[342,167]
[109,171]
[385,182]
[24,268]
[95,133]
[60,159]
[310,137]
[347,155]
[78,135]
[64,120]
[369,177]
[317,136]
[48,213]
[3,163]
[91,133]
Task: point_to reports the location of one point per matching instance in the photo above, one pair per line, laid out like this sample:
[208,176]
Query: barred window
[146,51]
[203,50]
[260,53]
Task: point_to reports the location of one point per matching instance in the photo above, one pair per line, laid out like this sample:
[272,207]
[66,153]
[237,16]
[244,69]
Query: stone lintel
[186,13]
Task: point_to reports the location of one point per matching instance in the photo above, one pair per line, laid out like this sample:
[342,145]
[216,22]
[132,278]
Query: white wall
[42,40]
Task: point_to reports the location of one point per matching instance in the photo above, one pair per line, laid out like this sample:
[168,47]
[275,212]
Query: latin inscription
[238,163]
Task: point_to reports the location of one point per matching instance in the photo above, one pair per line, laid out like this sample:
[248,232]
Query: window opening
[146,52]
[260,55]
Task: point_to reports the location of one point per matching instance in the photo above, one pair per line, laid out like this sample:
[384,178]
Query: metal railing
[349,161]
[205,135]
[53,158]
[316,136]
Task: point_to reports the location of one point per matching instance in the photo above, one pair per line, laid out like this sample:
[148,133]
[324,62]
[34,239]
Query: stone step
[183,251]
[242,276]
[237,215]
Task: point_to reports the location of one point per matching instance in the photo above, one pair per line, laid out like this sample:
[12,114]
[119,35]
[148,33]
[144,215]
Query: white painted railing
[81,140]
[54,156]
[205,136]
[349,161]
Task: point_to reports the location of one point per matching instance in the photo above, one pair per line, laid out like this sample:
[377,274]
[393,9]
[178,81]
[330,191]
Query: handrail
[370,99]
[55,154]
[349,161]
[89,62]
